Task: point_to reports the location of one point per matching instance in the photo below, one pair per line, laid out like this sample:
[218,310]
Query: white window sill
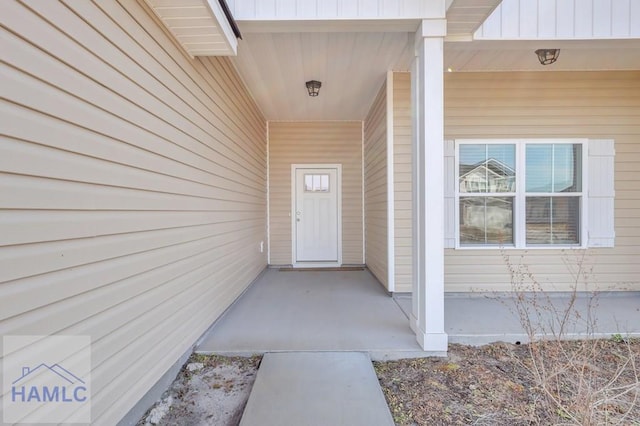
[549,247]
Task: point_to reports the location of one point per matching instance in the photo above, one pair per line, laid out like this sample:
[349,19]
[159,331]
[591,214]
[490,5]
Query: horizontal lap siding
[402,180]
[315,143]
[375,187]
[597,105]
[132,189]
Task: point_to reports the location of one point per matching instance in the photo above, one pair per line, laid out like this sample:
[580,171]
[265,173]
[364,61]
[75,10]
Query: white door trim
[292,214]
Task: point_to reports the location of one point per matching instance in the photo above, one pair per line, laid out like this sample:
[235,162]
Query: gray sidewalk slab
[476,319]
[316,389]
[351,311]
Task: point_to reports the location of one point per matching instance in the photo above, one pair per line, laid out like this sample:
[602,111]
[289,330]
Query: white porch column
[427,319]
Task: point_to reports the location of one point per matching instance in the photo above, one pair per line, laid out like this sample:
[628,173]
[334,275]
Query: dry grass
[494,385]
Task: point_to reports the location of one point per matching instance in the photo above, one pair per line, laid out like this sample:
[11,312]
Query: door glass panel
[316,183]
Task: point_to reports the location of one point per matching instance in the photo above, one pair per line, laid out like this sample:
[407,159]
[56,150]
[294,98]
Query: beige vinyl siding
[402,179]
[321,142]
[375,187]
[597,105]
[132,189]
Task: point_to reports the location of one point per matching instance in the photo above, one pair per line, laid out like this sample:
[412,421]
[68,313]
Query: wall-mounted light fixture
[313,87]
[547,56]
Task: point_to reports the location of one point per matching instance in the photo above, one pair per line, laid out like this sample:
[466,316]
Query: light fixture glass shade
[313,87]
[547,56]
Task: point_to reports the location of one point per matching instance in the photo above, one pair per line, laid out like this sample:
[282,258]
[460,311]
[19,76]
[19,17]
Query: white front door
[316,215]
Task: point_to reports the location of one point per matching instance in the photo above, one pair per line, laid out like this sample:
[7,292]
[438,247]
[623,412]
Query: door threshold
[323,269]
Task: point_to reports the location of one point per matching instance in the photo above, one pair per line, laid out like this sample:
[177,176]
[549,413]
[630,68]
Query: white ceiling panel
[351,67]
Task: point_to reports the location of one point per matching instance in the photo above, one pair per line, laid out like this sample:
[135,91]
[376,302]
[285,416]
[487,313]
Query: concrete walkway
[351,311]
[314,311]
[319,331]
[316,388]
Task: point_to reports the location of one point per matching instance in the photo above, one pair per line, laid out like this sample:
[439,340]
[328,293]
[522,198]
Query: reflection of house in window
[490,175]
[486,220]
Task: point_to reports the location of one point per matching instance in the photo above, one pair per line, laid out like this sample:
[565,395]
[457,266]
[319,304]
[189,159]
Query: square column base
[433,342]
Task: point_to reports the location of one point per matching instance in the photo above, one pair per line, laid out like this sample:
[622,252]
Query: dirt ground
[593,383]
[209,390]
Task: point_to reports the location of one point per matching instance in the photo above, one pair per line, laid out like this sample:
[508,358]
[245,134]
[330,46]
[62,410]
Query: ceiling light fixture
[313,87]
[547,56]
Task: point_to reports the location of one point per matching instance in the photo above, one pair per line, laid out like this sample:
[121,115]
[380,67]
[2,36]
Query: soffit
[465,16]
[200,26]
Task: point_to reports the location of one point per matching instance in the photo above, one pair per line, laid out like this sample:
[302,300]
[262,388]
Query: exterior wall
[402,180]
[132,192]
[562,19]
[375,188]
[331,142]
[598,105]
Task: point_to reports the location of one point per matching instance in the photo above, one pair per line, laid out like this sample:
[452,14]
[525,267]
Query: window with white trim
[521,193]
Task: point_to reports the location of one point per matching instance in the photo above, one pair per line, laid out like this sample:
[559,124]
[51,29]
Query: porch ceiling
[352,66]
[276,58]
[350,58]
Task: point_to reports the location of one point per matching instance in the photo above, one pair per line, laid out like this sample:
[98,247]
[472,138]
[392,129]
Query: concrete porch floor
[351,311]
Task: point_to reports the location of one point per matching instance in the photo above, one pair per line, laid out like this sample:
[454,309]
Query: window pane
[553,220]
[539,168]
[554,168]
[486,220]
[487,168]
[567,165]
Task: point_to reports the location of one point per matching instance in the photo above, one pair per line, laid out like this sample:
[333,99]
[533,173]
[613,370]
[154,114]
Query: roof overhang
[202,27]
[465,16]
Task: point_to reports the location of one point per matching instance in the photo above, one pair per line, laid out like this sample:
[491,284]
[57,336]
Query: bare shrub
[569,372]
